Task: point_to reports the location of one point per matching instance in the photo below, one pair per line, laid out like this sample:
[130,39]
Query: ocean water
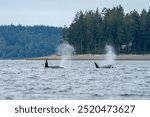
[24,79]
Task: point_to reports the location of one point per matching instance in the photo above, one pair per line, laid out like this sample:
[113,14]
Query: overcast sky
[57,12]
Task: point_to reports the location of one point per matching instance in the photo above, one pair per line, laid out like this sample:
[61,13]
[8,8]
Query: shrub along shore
[94,57]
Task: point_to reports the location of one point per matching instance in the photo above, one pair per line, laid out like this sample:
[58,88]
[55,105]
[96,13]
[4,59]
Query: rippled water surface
[20,79]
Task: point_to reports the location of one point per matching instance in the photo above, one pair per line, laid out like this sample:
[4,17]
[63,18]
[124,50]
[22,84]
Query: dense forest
[126,32]
[28,41]
[89,32]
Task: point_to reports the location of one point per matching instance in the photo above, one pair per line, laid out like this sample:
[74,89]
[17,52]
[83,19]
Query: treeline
[28,41]
[92,30]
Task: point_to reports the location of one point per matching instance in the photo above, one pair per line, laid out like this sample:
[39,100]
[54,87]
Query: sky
[57,12]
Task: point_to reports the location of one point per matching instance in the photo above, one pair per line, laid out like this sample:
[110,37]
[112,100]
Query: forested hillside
[28,41]
[127,32]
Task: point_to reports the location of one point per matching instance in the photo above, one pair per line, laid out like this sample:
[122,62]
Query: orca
[46,64]
[105,66]
[53,67]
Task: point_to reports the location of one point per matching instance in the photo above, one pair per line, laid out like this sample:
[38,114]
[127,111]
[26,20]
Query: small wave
[147,76]
[65,90]
[148,82]
[131,95]
[8,98]
[97,95]
[30,89]
[54,92]
[92,79]
[47,88]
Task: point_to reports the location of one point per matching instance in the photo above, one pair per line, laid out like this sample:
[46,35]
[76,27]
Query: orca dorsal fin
[96,65]
[46,63]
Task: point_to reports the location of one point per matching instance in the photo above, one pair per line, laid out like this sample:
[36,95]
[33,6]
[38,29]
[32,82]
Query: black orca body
[53,67]
[46,64]
[106,66]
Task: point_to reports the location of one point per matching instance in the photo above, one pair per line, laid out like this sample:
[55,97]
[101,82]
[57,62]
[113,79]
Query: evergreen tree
[28,41]
[92,30]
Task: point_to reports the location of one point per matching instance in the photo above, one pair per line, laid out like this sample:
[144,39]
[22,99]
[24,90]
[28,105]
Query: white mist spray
[65,50]
[110,54]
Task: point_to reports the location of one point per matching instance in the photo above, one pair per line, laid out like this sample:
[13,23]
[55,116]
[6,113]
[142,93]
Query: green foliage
[92,30]
[28,41]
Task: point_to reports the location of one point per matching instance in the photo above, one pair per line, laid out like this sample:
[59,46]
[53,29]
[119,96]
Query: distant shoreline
[94,57]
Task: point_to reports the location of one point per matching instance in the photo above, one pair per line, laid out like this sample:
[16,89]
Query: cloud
[57,12]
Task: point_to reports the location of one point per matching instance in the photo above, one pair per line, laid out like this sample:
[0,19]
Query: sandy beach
[94,57]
